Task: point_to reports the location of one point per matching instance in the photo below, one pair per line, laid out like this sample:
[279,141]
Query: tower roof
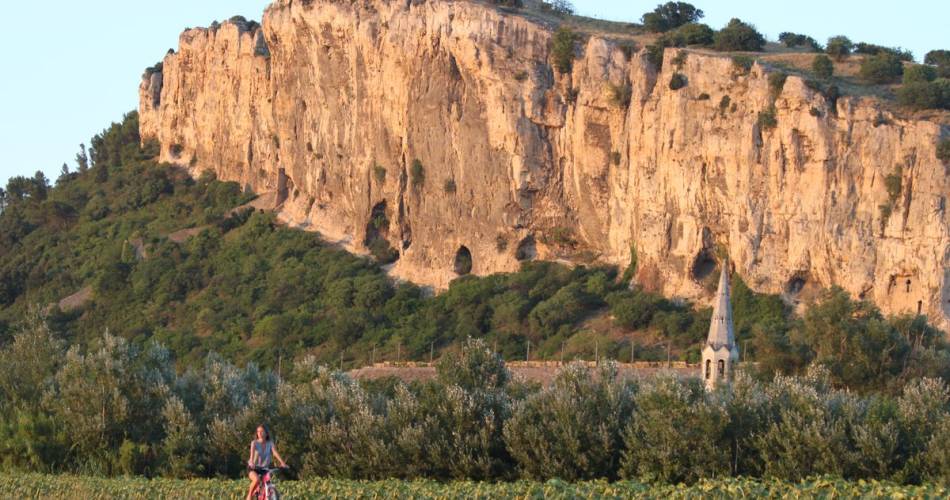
[721,328]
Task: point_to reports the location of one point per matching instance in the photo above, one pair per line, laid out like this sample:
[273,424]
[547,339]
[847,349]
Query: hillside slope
[447,121]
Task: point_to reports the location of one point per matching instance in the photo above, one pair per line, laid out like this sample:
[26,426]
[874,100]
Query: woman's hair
[266,431]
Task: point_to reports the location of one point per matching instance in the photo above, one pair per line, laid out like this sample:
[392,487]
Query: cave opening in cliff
[795,284]
[527,250]
[463,261]
[703,265]
[377,230]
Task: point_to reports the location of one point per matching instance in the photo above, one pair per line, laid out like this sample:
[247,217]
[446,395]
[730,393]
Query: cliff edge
[441,129]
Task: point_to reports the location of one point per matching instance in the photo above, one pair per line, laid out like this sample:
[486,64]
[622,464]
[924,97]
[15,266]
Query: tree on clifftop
[671,15]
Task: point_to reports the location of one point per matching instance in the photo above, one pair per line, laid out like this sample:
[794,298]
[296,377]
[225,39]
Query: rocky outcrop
[448,118]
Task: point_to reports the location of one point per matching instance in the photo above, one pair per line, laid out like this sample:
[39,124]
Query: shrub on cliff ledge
[417,173]
[738,35]
[943,151]
[767,119]
[562,49]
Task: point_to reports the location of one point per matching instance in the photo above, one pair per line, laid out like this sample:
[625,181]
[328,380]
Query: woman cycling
[262,449]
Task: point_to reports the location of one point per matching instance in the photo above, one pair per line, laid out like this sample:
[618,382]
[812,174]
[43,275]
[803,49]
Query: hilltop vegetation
[858,67]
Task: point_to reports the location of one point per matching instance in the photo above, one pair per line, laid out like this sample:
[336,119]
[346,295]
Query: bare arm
[250,457]
[277,456]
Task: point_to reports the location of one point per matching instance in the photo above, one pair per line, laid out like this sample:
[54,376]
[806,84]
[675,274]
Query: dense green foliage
[688,34]
[917,73]
[941,60]
[119,409]
[839,47]
[63,487]
[767,118]
[925,95]
[882,67]
[792,40]
[873,50]
[738,36]
[671,15]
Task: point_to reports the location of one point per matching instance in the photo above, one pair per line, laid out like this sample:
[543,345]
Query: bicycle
[265,488]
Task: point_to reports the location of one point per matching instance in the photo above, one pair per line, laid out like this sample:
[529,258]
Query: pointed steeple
[720,353]
[721,328]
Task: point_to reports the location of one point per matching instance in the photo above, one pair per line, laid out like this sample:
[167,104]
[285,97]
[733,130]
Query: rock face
[442,129]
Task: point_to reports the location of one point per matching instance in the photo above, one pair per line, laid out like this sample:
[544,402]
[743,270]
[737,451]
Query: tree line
[118,408]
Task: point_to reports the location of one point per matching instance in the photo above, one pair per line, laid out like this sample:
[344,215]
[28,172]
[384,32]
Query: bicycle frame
[264,485]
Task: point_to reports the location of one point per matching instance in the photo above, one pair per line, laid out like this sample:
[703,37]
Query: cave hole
[920,306]
[795,284]
[703,265]
[377,230]
[527,250]
[908,286]
[463,261]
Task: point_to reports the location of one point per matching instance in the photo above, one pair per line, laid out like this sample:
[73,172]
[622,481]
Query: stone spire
[720,353]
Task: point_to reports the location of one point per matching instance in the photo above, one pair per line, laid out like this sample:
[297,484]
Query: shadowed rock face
[509,151]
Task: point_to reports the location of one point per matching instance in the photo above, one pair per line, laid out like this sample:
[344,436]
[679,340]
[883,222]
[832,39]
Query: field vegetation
[39,486]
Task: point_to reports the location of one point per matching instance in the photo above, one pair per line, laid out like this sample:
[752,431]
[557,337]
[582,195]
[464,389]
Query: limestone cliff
[331,103]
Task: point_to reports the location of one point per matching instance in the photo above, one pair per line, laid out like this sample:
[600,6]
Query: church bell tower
[720,353]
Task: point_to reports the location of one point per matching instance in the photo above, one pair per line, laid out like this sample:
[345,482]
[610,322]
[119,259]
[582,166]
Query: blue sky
[70,68]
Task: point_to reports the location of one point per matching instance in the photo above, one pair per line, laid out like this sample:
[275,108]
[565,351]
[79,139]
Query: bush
[677,81]
[573,429]
[562,49]
[776,84]
[738,36]
[792,40]
[940,59]
[688,34]
[671,15]
[943,151]
[675,435]
[822,66]
[839,47]
[417,173]
[620,95]
[892,183]
[560,8]
[882,68]
[449,186]
[743,63]
[917,73]
[655,55]
[379,172]
[925,95]
[873,50]
[767,119]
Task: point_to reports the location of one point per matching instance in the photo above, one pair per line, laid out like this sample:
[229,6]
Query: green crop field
[65,486]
